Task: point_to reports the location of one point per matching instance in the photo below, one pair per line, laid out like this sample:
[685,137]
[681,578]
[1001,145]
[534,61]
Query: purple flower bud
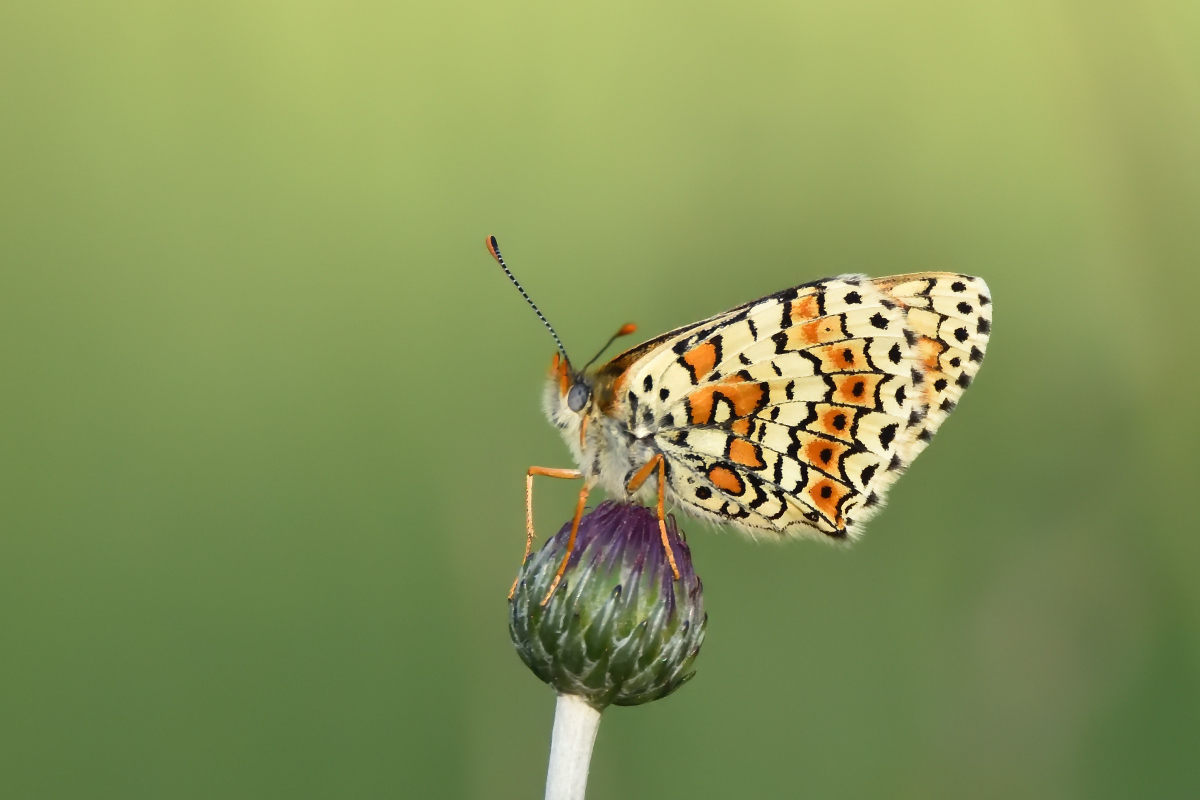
[619,629]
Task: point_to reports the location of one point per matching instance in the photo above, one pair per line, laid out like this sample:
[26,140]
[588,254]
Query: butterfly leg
[548,472]
[583,494]
[636,482]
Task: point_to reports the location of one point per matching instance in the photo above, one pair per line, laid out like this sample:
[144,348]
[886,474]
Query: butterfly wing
[793,414]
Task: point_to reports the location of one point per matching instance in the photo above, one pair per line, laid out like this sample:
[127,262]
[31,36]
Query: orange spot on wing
[826,495]
[837,422]
[819,331]
[845,356]
[702,359]
[824,454]
[700,406]
[746,397]
[741,427]
[810,332]
[858,390]
[745,453]
[805,308]
[726,480]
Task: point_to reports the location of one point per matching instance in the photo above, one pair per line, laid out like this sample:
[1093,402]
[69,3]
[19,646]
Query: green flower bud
[619,628]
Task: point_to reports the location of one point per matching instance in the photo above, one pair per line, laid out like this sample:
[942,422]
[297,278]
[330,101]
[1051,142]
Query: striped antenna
[494,248]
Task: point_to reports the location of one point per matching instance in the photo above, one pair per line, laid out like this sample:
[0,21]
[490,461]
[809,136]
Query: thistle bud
[619,629]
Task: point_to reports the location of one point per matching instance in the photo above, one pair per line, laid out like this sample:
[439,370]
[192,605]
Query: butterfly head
[568,391]
[575,387]
[567,400]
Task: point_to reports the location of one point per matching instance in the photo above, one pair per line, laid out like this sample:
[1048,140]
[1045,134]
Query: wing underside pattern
[793,414]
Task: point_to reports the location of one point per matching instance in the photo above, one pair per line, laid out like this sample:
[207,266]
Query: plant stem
[575,726]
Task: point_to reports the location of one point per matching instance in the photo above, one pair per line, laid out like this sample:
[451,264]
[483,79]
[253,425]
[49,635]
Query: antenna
[494,248]
[624,330]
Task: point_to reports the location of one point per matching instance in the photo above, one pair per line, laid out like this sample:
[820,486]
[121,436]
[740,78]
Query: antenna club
[627,329]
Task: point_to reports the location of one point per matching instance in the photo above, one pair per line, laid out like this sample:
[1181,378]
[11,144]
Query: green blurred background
[266,404]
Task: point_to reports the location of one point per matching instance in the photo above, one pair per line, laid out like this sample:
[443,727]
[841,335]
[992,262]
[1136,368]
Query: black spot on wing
[780,339]
[886,434]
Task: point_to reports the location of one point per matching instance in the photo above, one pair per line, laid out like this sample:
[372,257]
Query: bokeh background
[266,404]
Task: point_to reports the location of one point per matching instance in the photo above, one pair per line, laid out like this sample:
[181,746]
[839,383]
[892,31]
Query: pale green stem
[575,726]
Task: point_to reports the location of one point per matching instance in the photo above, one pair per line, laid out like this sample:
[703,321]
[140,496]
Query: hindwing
[793,414]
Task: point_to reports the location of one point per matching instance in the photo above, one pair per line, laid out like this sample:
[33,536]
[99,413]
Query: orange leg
[548,472]
[583,493]
[636,482]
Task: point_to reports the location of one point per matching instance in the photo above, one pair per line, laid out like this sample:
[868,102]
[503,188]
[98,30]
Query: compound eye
[578,396]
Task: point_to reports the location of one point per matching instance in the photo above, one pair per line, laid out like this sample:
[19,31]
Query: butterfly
[788,416]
